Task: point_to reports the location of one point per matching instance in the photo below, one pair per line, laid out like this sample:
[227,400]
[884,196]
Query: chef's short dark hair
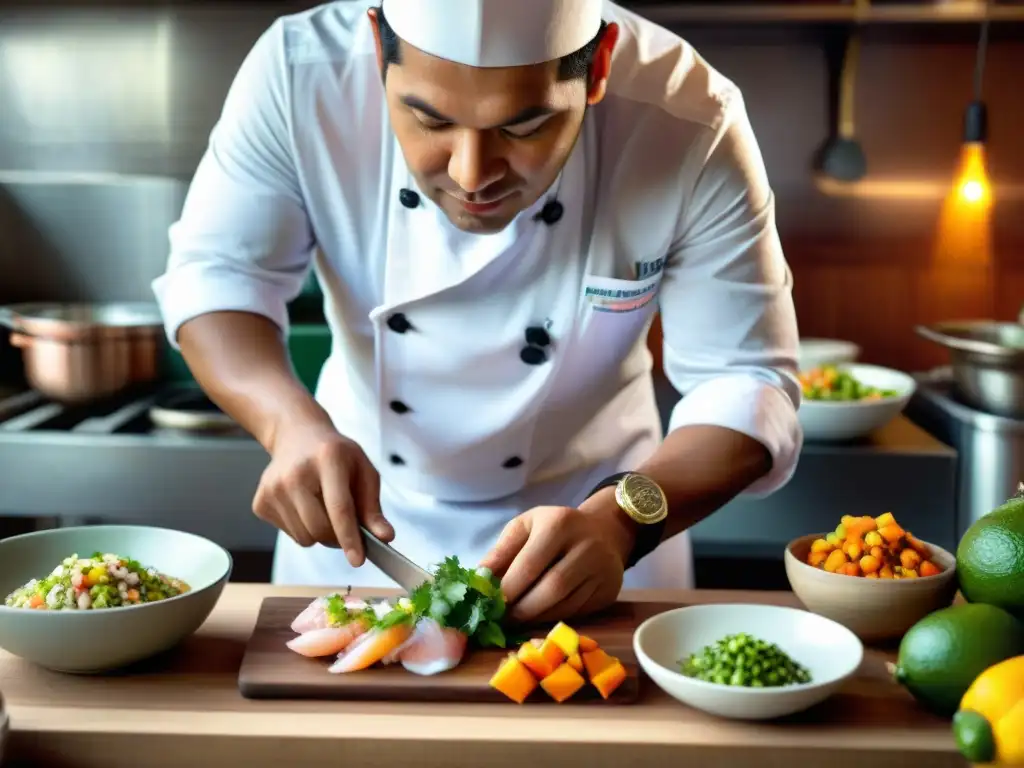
[570,67]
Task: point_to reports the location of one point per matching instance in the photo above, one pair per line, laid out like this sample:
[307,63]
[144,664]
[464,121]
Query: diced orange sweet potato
[596,660]
[909,573]
[870,564]
[910,559]
[821,545]
[873,539]
[860,527]
[514,679]
[835,559]
[565,637]
[817,558]
[532,658]
[885,519]
[892,533]
[609,678]
[552,653]
[853,549]
[928,568]
[575,661]
[562,683]
[587,644]
[873,575]
[849,569]
[885,572]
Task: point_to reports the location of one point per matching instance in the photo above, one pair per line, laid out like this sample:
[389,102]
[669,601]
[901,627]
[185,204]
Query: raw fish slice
[371,647]
[433,649]
[326,640]
[314,615]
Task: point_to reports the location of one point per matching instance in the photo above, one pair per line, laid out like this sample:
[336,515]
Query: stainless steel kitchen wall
[104,113]
[131,93]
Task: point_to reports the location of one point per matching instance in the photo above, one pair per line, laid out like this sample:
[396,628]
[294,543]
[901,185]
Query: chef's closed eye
[528,128]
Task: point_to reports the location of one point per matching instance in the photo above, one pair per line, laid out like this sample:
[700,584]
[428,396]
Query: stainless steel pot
[987,361]
[4,728]
[78,353]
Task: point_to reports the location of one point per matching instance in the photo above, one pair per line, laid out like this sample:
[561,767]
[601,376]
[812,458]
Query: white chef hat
[495,33]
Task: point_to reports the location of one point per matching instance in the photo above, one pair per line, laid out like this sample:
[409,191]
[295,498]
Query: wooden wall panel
[1010,293]
[874,293]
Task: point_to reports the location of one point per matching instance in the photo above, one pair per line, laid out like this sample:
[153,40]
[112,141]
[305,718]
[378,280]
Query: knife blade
[401,569]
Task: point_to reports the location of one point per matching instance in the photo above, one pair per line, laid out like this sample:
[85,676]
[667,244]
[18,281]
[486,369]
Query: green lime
[941,655]
[974,737]
[990,558]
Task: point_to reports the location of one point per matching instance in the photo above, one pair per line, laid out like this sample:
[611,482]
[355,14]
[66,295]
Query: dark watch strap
[648,537]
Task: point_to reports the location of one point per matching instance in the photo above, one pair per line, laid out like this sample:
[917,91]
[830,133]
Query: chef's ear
[601,66]
[374,15]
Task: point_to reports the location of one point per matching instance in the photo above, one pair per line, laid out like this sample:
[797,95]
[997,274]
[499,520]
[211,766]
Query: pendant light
[973,183]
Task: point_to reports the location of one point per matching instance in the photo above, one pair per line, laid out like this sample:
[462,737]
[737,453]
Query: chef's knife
[404,571]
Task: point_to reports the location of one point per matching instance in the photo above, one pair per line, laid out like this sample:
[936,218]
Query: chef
[496,198]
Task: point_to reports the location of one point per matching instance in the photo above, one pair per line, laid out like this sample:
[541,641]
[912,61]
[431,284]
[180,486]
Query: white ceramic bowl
[828,650]
[814,352]
[93,641]
[835,420]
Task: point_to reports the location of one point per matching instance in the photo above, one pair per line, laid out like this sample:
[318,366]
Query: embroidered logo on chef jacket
[607,294]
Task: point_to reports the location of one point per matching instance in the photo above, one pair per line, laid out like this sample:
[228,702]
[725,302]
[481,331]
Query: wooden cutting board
[270,670]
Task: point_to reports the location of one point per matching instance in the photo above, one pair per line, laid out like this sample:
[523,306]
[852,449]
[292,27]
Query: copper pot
[78,353]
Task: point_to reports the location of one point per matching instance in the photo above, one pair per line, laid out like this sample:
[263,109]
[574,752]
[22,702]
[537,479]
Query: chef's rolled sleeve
[243,241]
[729,324]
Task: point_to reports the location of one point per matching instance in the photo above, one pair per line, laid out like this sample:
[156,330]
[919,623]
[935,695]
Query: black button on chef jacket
[399,323]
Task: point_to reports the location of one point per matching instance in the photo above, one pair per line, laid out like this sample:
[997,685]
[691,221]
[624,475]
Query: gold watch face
[642,499]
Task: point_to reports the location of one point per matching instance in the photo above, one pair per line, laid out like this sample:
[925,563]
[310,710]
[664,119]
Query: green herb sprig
[468,600]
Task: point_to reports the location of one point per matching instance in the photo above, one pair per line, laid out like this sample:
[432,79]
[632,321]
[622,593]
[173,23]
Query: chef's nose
[471,166]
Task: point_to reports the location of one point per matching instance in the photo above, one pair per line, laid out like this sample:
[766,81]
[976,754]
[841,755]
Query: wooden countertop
[185,710]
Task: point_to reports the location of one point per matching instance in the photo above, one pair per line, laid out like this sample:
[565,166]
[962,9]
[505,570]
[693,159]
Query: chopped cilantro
[336,610]
[464,599]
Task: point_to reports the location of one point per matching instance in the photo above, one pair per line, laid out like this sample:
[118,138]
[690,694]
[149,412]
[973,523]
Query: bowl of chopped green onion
[747,662]
[850,401]
[92,599]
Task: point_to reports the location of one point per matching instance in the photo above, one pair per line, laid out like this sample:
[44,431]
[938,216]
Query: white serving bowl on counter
[815,352]
[829,651]
[837,420]
[101,640]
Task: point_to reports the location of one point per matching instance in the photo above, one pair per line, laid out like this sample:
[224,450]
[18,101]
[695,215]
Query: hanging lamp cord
[979,60]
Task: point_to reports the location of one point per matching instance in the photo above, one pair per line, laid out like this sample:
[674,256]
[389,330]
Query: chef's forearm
[241,361]
[700,468]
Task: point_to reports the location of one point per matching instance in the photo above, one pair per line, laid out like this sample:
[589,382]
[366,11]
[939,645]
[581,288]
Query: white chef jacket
[665,206]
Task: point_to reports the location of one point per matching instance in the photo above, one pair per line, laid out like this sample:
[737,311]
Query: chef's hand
[560,562]
[317,489]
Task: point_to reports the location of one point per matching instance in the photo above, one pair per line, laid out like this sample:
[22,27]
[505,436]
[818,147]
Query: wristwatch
[644,502]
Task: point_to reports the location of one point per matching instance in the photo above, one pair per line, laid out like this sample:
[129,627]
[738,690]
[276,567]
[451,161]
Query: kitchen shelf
[673,13]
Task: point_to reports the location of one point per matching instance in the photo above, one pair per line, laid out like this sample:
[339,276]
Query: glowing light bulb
[973,185]
[972,191]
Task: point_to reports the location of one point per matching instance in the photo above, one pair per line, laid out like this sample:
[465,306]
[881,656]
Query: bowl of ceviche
[93,599]
[849,401]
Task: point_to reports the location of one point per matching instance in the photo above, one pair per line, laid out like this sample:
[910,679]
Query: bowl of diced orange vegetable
[871,575]
[849,401]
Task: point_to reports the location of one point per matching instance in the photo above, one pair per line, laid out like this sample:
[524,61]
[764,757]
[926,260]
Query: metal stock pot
[987,359]
[4,728]
[78,353]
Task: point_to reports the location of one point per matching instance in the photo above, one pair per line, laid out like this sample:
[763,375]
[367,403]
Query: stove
[110,462]
[990,448]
